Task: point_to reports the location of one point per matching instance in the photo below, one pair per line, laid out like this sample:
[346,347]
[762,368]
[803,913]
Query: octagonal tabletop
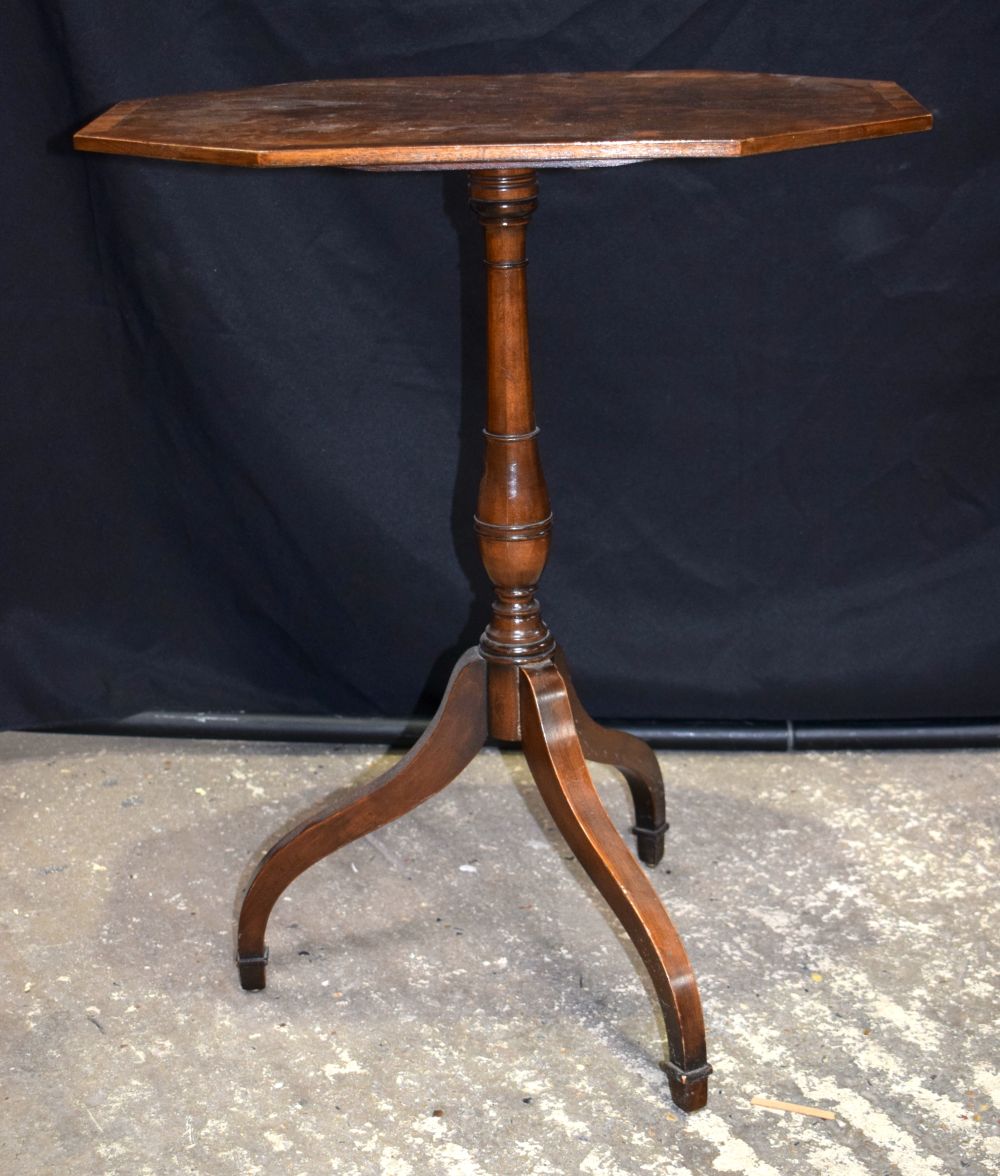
[539,120]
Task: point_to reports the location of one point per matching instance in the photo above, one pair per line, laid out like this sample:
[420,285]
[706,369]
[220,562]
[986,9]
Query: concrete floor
[449,995]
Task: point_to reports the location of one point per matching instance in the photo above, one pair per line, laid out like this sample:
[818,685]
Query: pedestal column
[513,519]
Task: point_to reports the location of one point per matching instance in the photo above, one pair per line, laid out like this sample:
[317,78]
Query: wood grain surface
[546,120]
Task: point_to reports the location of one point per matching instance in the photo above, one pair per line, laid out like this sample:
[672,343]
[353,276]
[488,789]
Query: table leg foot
[456,734]
[649,843]
[553,750]
[688,1088]
[253,971]
[636,762]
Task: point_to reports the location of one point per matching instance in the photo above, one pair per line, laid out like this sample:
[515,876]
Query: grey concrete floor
[449,995]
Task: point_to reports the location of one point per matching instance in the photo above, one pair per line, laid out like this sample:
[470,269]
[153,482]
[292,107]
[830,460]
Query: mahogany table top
[538,120]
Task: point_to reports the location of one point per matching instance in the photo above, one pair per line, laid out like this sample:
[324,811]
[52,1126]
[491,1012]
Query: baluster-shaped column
[513,519]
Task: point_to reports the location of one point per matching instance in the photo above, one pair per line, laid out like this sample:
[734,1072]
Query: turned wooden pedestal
[515,686]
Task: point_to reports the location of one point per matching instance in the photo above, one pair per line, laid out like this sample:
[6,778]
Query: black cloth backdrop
[241,409]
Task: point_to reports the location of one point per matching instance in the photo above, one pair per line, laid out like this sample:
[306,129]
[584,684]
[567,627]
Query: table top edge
[110,133]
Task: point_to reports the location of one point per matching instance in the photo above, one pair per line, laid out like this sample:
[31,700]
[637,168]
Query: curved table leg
[636,762]
[452,740]
[556,761]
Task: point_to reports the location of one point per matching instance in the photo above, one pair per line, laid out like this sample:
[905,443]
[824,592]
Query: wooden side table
[514,685]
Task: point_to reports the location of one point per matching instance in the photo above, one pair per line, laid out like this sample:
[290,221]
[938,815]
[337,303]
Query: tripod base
[534,702]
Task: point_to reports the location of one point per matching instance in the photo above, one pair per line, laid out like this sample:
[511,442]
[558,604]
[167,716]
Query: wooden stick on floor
[773,1104]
